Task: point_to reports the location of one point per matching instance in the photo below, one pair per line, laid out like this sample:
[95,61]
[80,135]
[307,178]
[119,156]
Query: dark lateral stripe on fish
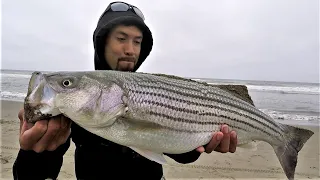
[207,113]
[191,86]
[147,82]
[250,110]
[210,106]
[195,130]
[197,104]
[231,98]
[190,131]
[178,119]
[187,85]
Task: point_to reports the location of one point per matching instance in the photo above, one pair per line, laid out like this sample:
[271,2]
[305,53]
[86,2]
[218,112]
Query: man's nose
[129,50]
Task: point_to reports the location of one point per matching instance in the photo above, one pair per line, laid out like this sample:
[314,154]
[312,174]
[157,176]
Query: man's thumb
[20,116]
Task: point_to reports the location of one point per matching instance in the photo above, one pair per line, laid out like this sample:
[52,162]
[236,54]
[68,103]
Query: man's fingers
[20,116]
[23,127]
[31,136]
[66,133]
[233,142]
[224,145]
[200,149]
[62,135]
[60,139]
[217,137]
[52,131]
[223,141]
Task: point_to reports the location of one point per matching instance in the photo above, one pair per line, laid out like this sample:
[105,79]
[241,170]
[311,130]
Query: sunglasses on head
[122,7]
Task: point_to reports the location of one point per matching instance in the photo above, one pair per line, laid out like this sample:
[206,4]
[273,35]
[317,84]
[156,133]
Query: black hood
[108,21]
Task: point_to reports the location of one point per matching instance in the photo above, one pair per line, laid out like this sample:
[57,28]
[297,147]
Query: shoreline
[244,164]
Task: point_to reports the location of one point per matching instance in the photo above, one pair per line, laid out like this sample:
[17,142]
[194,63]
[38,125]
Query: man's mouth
[127,59]
[125,64]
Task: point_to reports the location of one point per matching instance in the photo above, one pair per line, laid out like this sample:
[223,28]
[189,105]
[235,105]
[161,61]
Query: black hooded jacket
[95,157]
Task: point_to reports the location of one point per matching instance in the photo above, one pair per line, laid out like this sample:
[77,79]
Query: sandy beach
[244,164]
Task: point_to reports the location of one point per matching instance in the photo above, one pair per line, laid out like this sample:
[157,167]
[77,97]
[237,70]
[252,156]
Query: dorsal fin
[240,91]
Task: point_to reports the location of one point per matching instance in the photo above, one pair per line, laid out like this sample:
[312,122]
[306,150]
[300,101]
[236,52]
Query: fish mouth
[39,102]
[33,113]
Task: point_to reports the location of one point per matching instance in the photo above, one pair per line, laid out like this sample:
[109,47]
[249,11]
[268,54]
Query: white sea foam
[5,75]
[287,89]
[291,116]
[12,95]
[313,90]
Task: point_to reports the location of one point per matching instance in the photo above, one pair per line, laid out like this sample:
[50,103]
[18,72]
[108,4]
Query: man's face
[122,48]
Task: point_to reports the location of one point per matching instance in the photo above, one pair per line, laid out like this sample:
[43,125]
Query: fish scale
[156,114]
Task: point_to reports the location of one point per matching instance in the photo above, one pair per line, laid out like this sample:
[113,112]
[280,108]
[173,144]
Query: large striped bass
[157,114]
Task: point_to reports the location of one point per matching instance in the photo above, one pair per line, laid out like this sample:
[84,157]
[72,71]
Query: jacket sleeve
[32,165]
[185,158]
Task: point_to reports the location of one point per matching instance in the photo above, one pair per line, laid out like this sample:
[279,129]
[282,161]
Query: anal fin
[253,145]
[153,156]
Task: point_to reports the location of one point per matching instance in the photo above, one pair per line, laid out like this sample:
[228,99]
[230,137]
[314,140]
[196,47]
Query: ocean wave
[12,95]
[313,90]
[6,75]
[286,89]
[290,116]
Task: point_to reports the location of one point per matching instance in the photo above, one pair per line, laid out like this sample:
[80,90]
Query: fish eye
[66,82]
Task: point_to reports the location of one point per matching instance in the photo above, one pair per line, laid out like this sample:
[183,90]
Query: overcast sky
[232,39]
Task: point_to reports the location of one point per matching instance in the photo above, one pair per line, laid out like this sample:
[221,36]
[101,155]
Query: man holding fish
[122,42]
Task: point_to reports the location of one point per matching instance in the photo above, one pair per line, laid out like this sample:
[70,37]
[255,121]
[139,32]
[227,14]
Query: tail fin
[287,152]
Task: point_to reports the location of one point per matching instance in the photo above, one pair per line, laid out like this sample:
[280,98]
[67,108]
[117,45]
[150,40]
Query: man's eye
[121,39]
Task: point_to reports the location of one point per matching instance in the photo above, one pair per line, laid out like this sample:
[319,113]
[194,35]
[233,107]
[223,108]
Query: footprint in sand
[256,159]
[5,160]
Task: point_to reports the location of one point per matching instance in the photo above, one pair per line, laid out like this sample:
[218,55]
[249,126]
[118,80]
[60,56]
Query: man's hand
[44,134]
[224,141]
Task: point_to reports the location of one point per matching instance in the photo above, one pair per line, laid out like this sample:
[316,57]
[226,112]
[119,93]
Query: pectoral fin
[153,156]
